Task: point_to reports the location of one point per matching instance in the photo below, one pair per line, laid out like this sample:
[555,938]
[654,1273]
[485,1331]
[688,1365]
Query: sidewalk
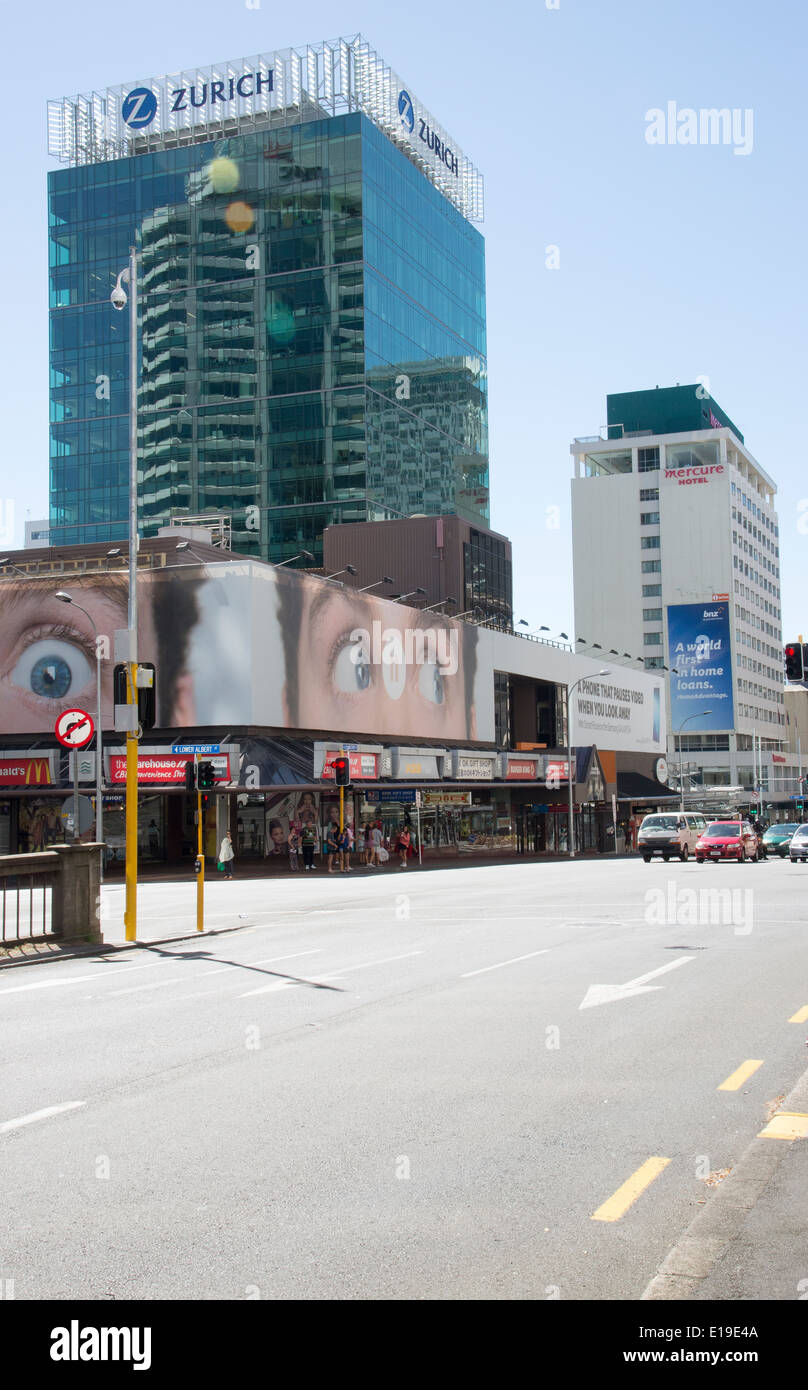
[751,1240]
[182,870]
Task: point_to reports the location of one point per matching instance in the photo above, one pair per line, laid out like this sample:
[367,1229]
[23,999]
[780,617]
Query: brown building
[447,557]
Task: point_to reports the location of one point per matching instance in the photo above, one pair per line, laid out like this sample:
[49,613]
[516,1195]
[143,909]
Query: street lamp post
[119,299]
[375,585]
[570,688]
[99,751]
[700,714]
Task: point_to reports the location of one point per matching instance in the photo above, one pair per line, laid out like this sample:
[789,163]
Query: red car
[728,839]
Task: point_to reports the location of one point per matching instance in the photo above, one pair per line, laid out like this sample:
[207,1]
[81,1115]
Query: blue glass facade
[312,328]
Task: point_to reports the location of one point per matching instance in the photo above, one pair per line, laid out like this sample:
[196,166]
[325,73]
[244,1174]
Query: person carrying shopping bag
[227,854]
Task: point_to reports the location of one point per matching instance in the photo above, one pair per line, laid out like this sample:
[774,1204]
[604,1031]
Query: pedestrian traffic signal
[795,666]
[190,776]
[146,694]
[205,777]
[342,772]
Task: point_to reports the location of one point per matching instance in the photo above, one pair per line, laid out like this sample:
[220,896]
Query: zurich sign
[139,108]
[406,112]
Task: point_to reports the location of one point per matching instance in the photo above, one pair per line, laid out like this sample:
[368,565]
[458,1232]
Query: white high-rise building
[676,560]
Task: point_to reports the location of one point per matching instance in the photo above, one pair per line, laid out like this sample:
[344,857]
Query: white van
[672,834]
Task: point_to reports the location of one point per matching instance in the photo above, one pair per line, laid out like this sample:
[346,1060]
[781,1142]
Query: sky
[672,263]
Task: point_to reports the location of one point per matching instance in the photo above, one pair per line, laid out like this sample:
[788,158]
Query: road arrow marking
[607,994]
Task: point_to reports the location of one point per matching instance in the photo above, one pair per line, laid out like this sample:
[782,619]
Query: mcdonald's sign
[26,772]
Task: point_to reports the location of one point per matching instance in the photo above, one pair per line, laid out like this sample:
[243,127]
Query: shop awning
[632,786]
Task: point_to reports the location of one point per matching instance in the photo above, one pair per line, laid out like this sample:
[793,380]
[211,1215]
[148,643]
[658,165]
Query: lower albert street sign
[195,748]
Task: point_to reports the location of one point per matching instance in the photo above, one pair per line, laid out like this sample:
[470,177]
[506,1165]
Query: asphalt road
[386,1087]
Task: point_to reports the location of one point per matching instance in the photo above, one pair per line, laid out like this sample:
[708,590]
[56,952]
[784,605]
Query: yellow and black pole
[119,300]
[130,909]
[200,851]
[341,803]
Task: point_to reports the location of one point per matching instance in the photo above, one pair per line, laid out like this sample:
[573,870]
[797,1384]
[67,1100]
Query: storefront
[464,801]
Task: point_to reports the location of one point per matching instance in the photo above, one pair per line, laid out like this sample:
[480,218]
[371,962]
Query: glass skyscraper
[311,305]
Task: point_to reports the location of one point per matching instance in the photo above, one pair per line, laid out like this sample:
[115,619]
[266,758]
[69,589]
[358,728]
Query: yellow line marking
[734,1082]
[625,1196]
[801,1016]
[786,1125]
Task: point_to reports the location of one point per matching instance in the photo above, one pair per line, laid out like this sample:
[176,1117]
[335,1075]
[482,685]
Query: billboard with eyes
[243,644]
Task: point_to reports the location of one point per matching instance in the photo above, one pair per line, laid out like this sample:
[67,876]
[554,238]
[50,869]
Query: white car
[671,834]
[798,849]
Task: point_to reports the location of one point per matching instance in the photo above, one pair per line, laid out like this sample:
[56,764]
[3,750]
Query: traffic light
[190,776]
[795,666]
[146,695]
[342,771]
[206,777]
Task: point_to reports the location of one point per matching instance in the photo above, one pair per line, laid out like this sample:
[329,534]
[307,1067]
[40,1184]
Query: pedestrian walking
[331,845]
[367,845]
[227,854]
[344,841]
[308,839]
[404,840]
[376,845]
[293,846]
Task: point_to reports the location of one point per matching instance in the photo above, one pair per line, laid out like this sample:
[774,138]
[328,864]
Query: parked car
[729,839]
[798,849]
[670,834]
[777,838]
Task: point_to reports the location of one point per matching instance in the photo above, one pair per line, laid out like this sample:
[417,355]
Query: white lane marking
[72,980]
[266,989]
[224,970]
[40,1115]
[499,964]
[327,979]
[366,965]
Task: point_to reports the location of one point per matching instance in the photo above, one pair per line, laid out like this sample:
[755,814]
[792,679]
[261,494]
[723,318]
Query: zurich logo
[406,112]
[139,108]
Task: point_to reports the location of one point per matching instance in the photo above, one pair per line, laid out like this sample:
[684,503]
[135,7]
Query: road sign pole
[75,796]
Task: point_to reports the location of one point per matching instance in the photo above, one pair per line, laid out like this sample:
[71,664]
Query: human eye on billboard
[365,664]
[53,666]
[48,651]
